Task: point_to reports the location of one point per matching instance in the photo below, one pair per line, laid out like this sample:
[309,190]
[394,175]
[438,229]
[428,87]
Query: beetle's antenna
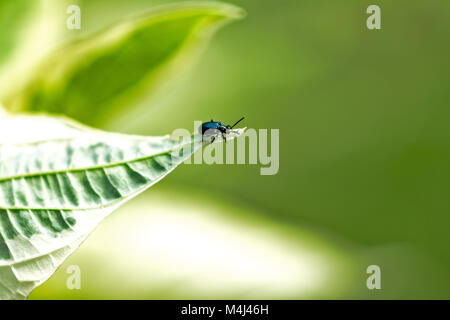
[237,122]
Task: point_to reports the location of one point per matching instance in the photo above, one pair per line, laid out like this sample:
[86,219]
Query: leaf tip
[226,10]
[235,12]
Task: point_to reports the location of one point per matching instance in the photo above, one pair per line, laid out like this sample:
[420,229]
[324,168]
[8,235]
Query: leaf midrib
[109,165]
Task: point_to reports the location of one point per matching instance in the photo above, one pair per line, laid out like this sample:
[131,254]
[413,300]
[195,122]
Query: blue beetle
[213,128]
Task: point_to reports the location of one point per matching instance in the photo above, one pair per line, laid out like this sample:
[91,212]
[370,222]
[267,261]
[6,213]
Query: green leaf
[16,27]
[59,180]
[12,19]
[29,30]
[105,76]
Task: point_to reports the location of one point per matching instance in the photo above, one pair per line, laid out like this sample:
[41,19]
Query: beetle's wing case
[212,126]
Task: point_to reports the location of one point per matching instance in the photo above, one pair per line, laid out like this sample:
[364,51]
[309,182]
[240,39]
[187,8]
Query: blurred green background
[364,157]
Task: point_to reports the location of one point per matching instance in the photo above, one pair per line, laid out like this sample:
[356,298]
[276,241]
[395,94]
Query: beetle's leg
[213,138]
[224,137]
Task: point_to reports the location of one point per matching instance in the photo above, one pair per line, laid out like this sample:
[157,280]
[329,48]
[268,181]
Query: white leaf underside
[58,181]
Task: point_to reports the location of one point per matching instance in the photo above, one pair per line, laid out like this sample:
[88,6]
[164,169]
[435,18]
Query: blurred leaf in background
[28,31]
[171,246]
[104,75]
[13,15]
